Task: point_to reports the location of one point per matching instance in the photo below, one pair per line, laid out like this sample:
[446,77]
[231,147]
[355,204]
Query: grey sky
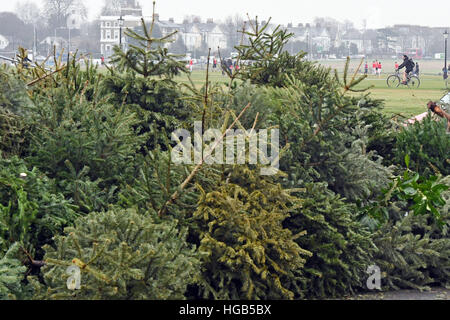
[378,13]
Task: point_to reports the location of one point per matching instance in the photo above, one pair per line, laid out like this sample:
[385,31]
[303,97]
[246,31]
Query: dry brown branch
[176,194]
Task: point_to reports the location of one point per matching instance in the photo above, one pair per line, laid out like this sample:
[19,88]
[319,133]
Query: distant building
[110,32]
[191,35]
[4,43]
[314,36]
[50,43]
[75,19]
[194,34]
[355,37]
[321,38]
[369,38]
[130,8]
[212,35]
[168,27]
[131,13]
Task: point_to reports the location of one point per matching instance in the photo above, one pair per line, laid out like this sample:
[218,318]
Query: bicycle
[394,80]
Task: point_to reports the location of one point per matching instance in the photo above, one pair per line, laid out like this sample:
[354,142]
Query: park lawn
[199,78]
[401,100]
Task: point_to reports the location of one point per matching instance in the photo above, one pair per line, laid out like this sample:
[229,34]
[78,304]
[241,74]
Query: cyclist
[408,64]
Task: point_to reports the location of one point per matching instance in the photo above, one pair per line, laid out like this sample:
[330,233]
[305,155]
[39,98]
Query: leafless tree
[28,12]
[111,7]
[57,11]
[232,26]
[192,19]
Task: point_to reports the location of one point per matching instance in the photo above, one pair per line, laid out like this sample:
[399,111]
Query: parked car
[445,100]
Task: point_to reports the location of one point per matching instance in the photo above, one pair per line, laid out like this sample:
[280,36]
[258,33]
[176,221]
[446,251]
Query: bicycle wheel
[393,81]
[414,82]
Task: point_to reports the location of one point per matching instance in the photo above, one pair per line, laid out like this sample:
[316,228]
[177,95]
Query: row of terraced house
[193,34]
[320,40]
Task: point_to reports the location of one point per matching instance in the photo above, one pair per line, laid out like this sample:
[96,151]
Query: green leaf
[407,158]
[410,191]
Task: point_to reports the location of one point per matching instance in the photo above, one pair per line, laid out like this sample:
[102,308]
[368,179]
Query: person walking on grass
[366,68]
[379,69]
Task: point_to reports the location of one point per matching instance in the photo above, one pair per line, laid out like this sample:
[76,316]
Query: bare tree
[57,11]
[348,25]
[178,47]
[28,12]
[232,27]
[192,19]
[14,28]
[111,7]
[326,22]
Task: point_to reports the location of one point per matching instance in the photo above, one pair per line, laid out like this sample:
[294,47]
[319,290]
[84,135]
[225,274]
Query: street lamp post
[445,55]
[34,42]
[69,42]
[185,39]
[121,20]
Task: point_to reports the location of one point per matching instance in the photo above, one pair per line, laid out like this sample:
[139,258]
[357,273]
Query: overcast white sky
[378,13]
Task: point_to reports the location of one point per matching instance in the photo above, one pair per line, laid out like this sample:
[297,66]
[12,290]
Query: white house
[355,37]
[110,32]
[130,8]
[169,27]
[57,42]
[212,35]
[110,29]
[192,36]
[312,35]
[321,38]
[75,19]
[3,42]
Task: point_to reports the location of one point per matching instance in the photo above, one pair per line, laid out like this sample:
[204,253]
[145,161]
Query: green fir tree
[122,254]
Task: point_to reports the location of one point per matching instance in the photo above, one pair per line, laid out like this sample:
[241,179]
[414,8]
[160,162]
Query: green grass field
[401,100]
